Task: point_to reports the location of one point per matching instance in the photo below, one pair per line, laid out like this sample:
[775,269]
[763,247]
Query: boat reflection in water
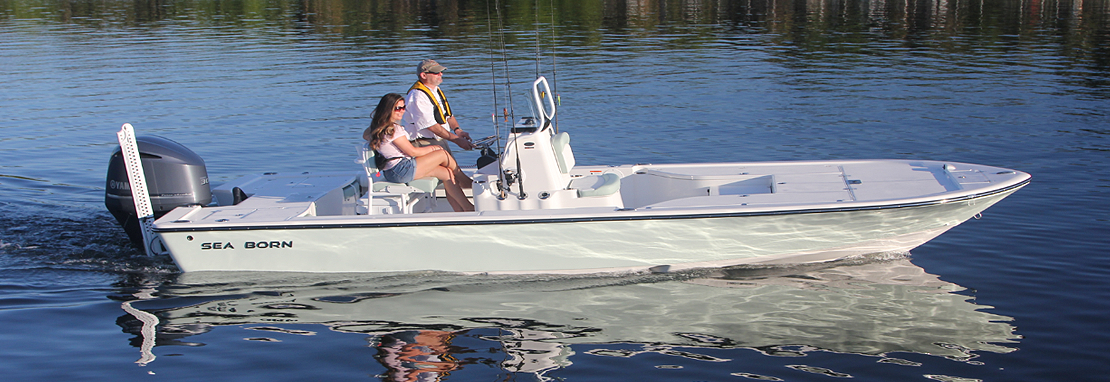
[423,326]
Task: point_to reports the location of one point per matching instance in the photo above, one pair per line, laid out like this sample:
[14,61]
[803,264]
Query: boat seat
[596,185]
[560,143]
[603,185]
[423,184]
[405,195]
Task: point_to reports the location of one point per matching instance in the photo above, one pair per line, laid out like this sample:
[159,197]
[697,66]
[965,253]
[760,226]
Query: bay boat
[538,211]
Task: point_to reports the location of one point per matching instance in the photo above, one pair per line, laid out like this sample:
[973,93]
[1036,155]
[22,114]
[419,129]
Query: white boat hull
[632,240]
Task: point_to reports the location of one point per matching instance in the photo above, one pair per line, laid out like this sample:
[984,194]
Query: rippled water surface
[252,86]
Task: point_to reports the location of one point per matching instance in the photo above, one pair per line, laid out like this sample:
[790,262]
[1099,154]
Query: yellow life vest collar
[440,114]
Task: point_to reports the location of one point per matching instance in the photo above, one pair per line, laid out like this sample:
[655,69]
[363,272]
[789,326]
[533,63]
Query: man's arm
[456,129]
[456,134]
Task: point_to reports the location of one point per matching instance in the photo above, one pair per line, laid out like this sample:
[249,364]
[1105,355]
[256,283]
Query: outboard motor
[175,176]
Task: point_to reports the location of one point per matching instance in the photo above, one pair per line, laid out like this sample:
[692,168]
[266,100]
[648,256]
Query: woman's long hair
[381,127]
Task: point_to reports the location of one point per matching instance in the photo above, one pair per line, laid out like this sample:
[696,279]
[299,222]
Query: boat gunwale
[510,220]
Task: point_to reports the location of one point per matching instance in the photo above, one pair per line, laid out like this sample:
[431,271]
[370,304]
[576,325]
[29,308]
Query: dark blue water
[251,86]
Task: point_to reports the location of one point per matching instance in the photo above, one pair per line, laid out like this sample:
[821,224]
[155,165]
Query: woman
[404,162]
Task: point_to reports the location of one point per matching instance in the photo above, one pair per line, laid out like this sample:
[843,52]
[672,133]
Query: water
[252,86]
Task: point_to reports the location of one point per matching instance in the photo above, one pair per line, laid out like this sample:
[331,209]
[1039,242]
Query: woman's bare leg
[455,194]
[464,181]
[438,164]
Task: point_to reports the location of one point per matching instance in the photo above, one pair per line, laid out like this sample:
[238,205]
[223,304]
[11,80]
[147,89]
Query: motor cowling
[175,176]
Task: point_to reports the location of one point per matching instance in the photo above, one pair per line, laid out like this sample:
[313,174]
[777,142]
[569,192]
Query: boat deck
[669,188]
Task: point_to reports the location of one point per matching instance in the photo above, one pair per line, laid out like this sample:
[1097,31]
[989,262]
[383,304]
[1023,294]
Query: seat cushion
[560,143]
[425,184]
[428,184]
[380,186]
[597,185]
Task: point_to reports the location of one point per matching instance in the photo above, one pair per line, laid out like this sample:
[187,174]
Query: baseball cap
[429,66]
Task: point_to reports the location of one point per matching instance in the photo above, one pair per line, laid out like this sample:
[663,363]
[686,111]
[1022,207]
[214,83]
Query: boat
[538,211]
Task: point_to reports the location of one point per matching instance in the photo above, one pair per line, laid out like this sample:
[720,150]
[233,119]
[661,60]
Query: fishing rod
[554,71]
[507,177]
[493,87]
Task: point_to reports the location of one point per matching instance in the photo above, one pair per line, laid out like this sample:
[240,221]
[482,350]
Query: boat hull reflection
[415,320]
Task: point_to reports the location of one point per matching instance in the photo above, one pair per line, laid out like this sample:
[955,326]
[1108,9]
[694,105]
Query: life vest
[440,114]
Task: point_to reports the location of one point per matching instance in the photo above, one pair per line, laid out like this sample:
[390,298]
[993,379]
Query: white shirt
[420,114]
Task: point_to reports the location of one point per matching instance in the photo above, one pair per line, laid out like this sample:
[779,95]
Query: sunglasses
[433,73]
[399,108]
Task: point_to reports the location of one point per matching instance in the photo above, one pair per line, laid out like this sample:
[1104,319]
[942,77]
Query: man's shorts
[421,142]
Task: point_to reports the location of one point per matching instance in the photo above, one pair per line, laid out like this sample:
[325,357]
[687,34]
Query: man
[428,117]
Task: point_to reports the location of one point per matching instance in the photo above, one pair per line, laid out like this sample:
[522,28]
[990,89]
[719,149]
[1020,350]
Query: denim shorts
[402,172]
